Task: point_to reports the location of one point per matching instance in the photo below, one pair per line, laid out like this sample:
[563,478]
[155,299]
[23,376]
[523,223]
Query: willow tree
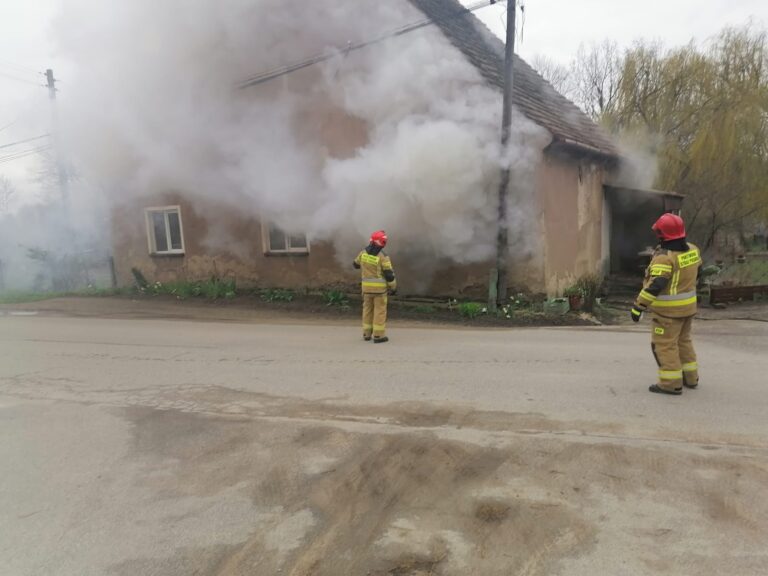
[704,113]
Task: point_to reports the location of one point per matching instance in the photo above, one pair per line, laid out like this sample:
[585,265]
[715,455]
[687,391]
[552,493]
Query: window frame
[152,241]
[266,242]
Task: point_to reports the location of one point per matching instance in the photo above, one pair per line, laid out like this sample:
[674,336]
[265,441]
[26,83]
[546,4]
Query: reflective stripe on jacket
[374,271]
[678,298]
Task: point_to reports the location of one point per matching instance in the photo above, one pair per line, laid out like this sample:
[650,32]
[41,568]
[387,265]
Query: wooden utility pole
[497,286]
[60,168]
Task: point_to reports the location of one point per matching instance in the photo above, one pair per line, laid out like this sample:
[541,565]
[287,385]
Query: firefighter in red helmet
[377,280]
[669,293]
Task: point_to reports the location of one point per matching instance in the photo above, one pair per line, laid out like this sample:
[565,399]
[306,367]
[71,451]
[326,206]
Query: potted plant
[589,286]
[575,297]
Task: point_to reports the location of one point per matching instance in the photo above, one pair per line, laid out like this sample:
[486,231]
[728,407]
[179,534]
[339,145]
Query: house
[574,222]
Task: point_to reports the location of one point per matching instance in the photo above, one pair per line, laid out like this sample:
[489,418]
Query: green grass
[471,309]
[750,273]
[335,298]
[277,295]
[213,289]
[24,296]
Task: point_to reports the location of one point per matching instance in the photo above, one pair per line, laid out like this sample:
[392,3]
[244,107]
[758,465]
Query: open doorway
[631,213]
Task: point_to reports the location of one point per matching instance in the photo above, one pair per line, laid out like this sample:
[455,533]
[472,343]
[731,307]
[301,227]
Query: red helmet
[379,238]
[669,227]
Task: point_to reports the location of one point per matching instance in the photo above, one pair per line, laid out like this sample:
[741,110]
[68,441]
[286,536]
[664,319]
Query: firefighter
[378,280]
[669,292]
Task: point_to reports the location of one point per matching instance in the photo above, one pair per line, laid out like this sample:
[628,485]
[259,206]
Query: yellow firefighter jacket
[677,273]
[377,273]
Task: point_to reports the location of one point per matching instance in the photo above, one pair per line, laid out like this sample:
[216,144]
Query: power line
[20,79]
[23,154]
[276,73]
[19,67]
[24,141]
[13,155]
[6,126]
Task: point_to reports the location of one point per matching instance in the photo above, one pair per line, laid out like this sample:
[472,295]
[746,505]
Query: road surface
[157,447]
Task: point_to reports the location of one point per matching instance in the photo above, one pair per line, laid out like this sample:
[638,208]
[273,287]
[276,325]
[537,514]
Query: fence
[745,278]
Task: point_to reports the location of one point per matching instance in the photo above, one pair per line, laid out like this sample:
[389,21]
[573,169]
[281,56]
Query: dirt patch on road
[402,504]
[331,501]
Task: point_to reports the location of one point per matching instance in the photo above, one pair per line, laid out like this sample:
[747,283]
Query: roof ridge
[536,98]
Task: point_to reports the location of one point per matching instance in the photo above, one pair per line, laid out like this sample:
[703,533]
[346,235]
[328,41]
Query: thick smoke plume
[154,108]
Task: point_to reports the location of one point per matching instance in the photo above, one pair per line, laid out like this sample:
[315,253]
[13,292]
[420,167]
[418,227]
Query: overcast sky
[554,28]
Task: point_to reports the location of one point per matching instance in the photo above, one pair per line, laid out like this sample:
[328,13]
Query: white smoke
[154,108]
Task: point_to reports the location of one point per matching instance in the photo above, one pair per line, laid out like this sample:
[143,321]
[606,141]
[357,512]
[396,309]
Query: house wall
[245,262]
[239,251]
[249,266]
[571,200]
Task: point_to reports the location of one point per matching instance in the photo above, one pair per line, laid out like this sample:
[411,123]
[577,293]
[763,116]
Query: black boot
[380,339]
[658,390]
[691,386]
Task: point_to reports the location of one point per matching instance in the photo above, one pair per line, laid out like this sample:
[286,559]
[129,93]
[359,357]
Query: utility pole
[497,285]
[51,82]
[60,168]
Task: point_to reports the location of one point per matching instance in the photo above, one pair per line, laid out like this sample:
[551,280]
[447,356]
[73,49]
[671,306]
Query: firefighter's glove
[393,292]
[636,313]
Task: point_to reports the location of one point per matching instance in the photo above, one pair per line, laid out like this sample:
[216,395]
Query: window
[278,242]
[164,230]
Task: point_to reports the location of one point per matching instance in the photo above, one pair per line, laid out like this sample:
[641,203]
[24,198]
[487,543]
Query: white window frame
[151,241]
[265,240]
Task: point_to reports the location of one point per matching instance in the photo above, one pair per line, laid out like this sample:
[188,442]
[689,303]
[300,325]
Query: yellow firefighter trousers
[374,315]
[673,349]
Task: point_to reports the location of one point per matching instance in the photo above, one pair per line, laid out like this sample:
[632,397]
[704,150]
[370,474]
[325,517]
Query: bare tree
[7,192]
[596,77]
[555,73]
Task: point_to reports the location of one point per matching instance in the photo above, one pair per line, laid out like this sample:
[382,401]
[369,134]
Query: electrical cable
[19,79]
[23,154]
[19,67]
[6,126]
[24,141]
[12,155]
[282,71]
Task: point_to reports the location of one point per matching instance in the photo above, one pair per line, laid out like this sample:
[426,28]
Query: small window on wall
[278,242]
[164,230]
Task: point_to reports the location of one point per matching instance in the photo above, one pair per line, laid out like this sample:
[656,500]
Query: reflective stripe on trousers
[374,314]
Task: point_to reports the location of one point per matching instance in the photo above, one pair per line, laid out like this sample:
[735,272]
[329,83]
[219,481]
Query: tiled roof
[533,96]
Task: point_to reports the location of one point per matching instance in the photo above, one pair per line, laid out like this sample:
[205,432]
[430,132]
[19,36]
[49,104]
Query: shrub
[471,309]
[335,298]
[522,301]
[277,295]
[217,288]
[213,289]
[590,286]
[573,290]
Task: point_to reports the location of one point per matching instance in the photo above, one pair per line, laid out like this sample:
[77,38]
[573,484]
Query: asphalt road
[178,447]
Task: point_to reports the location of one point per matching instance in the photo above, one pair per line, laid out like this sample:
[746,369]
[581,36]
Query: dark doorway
[632,213]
